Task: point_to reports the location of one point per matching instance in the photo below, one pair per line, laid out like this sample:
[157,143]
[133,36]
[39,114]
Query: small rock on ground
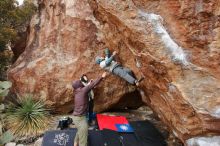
[11,144]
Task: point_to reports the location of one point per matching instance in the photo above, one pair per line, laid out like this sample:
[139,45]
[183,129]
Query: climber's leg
[123,73]
[129,72]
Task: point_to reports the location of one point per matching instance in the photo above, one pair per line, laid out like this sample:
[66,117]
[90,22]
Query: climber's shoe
[137,82]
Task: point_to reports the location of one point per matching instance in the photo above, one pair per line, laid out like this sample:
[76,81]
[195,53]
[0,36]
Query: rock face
[204,141]
[174,44]
[19,46]
[62,45]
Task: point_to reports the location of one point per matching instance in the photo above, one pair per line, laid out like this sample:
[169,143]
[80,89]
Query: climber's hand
[114,53]
[104,74]
[139,54]
[90,81]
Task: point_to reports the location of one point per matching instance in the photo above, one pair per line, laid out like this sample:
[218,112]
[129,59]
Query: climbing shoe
[141,79]
[137,82]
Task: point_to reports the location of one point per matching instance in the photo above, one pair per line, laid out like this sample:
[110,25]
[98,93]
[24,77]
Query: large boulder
[62,45]
[174,44]
[181,85]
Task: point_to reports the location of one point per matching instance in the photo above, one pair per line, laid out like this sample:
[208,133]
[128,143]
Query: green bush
[27,118]
[6,137]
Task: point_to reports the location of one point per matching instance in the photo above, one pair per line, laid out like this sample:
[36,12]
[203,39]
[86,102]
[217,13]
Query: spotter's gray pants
[124,73]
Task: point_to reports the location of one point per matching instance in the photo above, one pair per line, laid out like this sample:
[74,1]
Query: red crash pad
[109,122]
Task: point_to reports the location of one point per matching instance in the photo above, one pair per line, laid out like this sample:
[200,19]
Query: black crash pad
[59,138]
[147,134]
[111,138]
[95,138]
[129,139]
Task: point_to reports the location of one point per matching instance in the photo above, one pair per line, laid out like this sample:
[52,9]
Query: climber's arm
[109,60]
[102,64]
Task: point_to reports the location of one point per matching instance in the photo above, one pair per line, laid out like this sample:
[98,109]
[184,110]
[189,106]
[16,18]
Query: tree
[12,19]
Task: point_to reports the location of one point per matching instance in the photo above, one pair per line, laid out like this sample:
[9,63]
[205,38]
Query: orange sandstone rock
[174,44]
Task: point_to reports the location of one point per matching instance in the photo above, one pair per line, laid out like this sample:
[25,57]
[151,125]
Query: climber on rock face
[108,63]
[81,102]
